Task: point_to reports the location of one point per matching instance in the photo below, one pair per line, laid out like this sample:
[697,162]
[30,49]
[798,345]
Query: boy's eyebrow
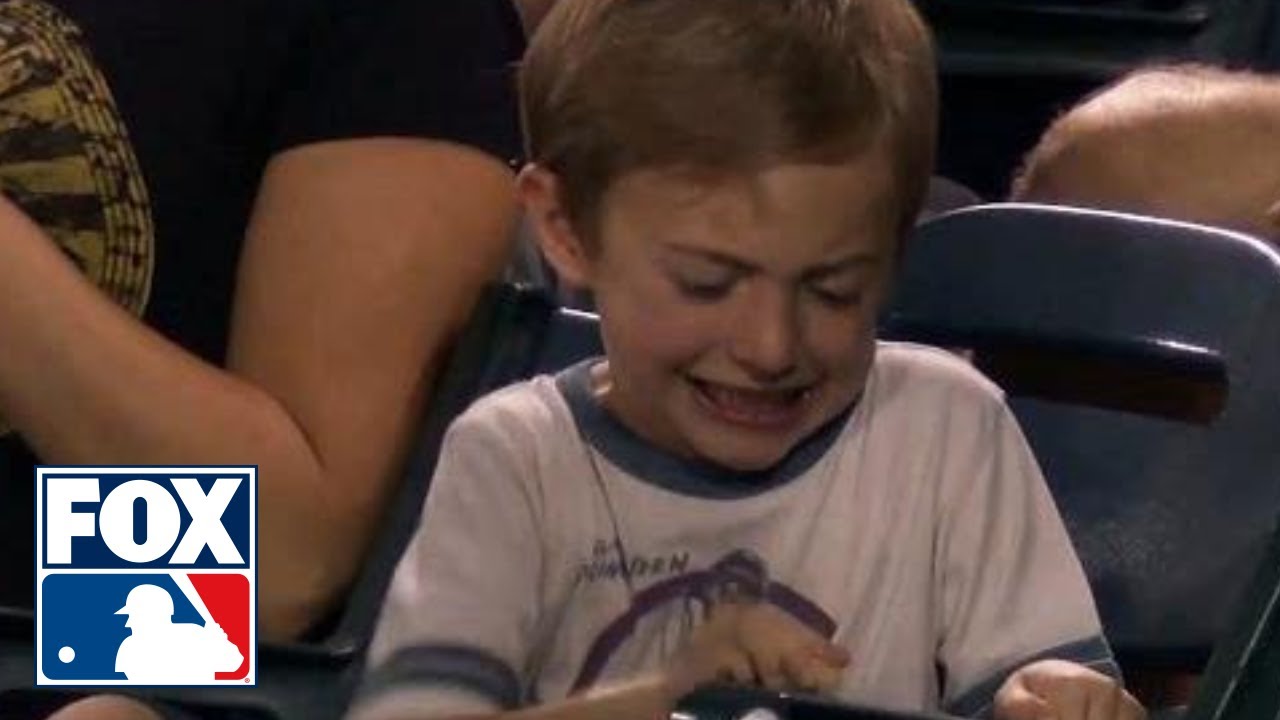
[852,260]
[835,267]
[712,256]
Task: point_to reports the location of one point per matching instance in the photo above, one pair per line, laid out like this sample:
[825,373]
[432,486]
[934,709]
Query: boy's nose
[765,339]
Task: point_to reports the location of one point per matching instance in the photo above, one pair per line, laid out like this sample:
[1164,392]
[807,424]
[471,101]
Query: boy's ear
[539,192]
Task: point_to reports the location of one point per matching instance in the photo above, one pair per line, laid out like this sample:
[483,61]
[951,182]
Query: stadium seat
[1143,361]
[1242,681]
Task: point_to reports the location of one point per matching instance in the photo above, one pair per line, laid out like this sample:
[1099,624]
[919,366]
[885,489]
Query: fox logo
[146,575]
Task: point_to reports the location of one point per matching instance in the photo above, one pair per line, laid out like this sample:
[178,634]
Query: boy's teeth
[760,405]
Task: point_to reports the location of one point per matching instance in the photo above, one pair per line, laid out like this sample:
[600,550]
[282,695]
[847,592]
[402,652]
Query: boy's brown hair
[718,87]
[1189,142]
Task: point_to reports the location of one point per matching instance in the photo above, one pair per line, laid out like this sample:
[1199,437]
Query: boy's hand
[755,643]
[1060,690]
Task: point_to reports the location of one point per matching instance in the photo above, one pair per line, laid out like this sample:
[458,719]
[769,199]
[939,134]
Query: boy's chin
[745,456]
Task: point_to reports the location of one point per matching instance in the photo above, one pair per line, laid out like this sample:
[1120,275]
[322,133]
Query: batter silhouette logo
[146,575]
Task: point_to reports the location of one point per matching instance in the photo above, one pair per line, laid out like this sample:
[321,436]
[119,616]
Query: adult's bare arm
[532,13]
[362,260]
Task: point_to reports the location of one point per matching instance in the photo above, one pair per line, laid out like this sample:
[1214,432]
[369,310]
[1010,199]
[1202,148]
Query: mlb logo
[146,575]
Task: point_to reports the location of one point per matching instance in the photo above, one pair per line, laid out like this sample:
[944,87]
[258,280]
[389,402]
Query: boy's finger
[1104,701]
[806,671]
[734,667]
[768,670]
[801,671]
[826,678]
[1016,702]
[833,654]
[1071,701]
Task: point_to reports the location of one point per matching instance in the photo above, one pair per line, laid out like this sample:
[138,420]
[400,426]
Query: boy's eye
[836,295]
[706,287]
[704,290]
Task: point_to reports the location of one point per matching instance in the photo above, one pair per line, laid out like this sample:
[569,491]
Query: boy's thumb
[832,654]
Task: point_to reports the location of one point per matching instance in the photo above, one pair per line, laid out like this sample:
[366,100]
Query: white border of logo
[41,572]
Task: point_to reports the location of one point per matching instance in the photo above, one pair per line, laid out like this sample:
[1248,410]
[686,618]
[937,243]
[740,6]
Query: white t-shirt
[558,550]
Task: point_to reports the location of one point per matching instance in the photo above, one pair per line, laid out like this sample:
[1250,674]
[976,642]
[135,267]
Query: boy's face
[738,316]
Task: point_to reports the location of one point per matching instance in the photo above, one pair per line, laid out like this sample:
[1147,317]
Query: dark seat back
[1142,358]
[1242,681]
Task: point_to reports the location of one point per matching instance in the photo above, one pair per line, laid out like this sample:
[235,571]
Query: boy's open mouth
[770,409]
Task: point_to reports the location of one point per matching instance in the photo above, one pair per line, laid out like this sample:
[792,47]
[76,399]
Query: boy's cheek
[658,318]
[845,349]
[658,335]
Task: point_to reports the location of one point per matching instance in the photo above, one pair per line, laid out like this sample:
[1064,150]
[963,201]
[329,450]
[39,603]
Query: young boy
[1188,142]
[747,488]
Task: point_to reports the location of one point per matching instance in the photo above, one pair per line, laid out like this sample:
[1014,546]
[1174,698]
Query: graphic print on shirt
[663,615]
[65,157]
